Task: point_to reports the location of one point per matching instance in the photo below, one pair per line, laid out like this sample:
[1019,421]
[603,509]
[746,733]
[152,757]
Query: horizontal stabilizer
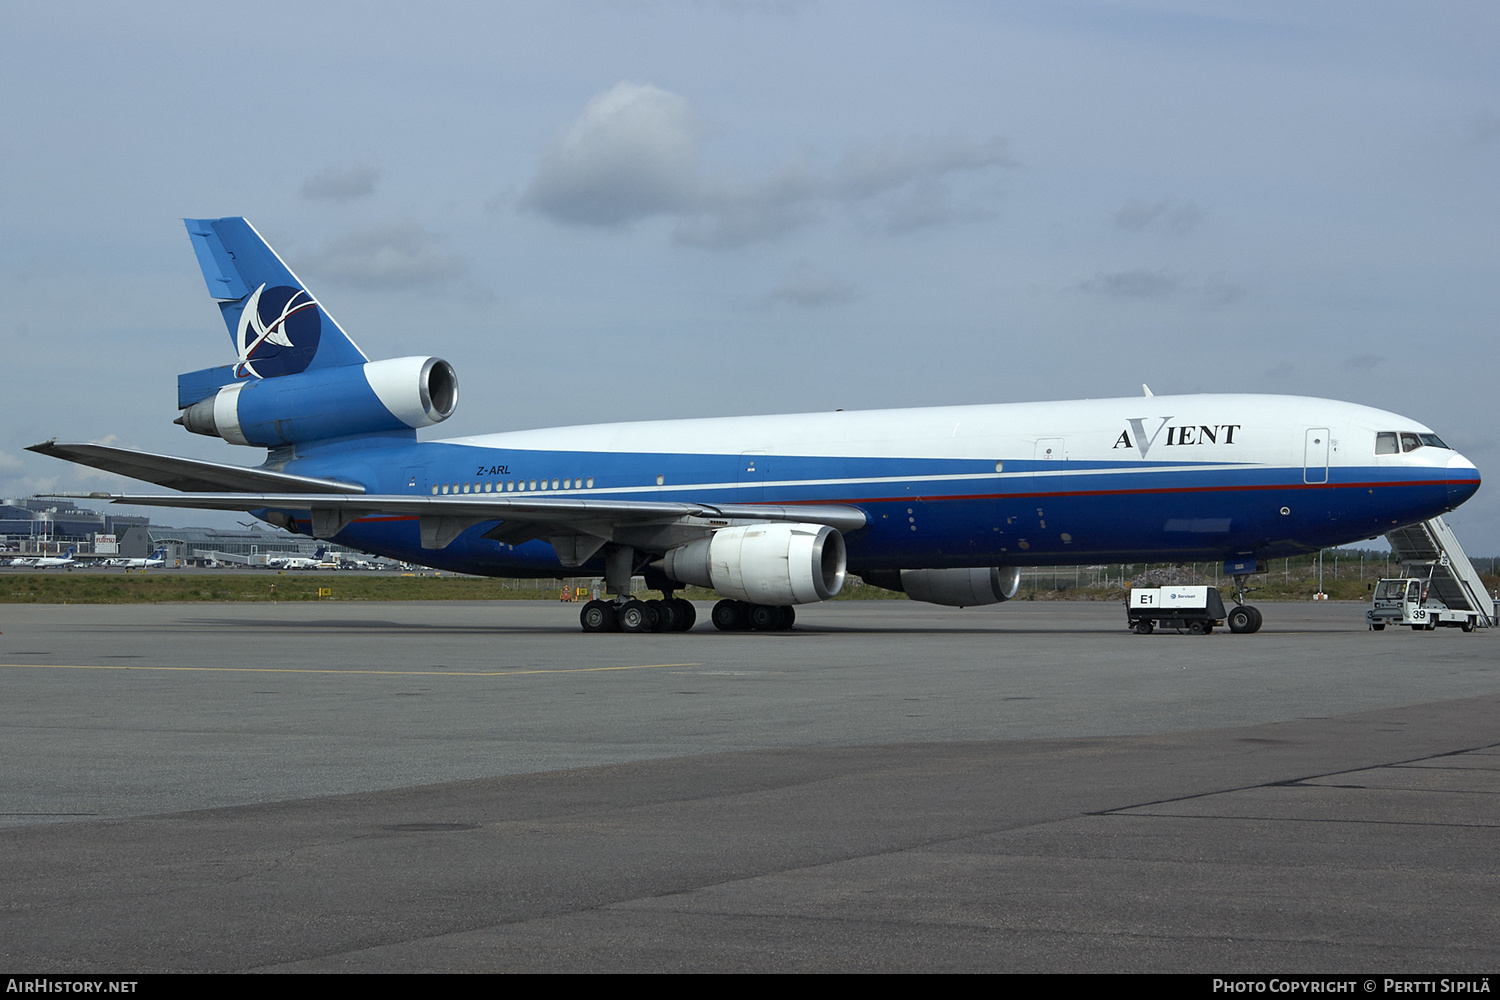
[189,473]
[193,386]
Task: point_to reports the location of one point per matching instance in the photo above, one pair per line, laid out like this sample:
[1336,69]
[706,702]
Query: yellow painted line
[383,673]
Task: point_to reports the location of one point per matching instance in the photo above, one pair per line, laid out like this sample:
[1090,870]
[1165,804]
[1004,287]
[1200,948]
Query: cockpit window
[1386,442]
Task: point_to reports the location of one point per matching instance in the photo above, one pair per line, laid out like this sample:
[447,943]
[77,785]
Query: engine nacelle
[774,562]
[962,588]
[391,395]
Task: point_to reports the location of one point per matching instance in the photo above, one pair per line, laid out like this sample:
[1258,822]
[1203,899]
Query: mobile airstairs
[1429,549]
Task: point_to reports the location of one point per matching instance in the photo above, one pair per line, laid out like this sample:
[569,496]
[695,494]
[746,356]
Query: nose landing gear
[1244,619]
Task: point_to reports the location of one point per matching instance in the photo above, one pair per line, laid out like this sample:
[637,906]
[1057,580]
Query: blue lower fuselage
[922,512]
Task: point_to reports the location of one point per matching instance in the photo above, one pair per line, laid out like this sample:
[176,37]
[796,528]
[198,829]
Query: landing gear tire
[636,616]
[598,616]
[788,618]
[765,617]
[1245,620]
[1241,620]
[731,616]
[667,615]
[687,615]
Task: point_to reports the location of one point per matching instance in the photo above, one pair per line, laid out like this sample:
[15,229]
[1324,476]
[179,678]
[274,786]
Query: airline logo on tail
[279,332]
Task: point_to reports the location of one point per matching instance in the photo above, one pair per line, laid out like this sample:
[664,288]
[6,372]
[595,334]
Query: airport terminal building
[51,527]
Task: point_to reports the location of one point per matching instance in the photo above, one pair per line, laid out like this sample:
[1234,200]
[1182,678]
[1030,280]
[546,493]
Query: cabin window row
[515,486]
[1393,443]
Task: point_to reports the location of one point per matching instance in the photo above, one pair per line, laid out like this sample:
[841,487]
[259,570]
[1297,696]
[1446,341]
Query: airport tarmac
[891,786]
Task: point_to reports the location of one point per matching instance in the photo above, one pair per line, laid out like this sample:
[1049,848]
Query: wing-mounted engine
[771,564]
[956,588]
[394,395]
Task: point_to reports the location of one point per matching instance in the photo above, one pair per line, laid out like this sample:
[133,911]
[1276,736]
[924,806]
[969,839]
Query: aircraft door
[752,476]
[1315,456]
[1049,451]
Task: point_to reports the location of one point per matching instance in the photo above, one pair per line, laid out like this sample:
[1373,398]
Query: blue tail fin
[275,324]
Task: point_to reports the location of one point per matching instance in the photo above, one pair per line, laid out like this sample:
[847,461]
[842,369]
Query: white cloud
[1484,127]
[334,184]
[637,153]
[1220,291]
[811,287]
[1138,215]
[1212,292]
[395,255]
[1136,284]
[1361,362]
[927,204]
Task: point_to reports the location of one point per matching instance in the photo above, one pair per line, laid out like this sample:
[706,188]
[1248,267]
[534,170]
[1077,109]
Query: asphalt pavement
[890,786]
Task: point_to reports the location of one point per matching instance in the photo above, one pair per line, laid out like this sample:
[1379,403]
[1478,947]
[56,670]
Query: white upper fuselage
[1241,429]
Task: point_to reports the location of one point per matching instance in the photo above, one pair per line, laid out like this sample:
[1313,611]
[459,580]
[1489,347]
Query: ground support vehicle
[1405,601]
[1197,609]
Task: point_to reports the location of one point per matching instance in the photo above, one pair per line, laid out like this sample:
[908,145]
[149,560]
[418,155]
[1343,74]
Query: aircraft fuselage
[1141,479]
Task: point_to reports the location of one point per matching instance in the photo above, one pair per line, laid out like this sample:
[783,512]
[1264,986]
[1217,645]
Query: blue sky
[605,211]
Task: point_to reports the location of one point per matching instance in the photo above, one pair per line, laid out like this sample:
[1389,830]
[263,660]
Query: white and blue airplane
[155,559]
[56,562]
[943,503]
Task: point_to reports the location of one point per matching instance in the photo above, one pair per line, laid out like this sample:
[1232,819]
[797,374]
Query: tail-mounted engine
[393,395]
[771,563]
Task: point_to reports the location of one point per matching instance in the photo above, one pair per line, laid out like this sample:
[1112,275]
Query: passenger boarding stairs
[1432,547]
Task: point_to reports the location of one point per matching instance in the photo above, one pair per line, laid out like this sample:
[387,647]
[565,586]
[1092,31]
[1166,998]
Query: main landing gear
[737,616]
[677,615]
[671,615]
[628,614]
[1243,619]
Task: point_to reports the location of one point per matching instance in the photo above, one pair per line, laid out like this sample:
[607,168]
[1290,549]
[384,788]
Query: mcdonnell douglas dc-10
[943,503]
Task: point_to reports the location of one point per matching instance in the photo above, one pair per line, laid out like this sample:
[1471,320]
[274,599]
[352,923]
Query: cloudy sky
[643,209]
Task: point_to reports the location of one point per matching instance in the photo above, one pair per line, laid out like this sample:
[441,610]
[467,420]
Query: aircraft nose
[1463,480]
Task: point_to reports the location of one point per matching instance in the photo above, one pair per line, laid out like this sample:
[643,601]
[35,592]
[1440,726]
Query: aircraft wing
[188,473]
[572,524]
